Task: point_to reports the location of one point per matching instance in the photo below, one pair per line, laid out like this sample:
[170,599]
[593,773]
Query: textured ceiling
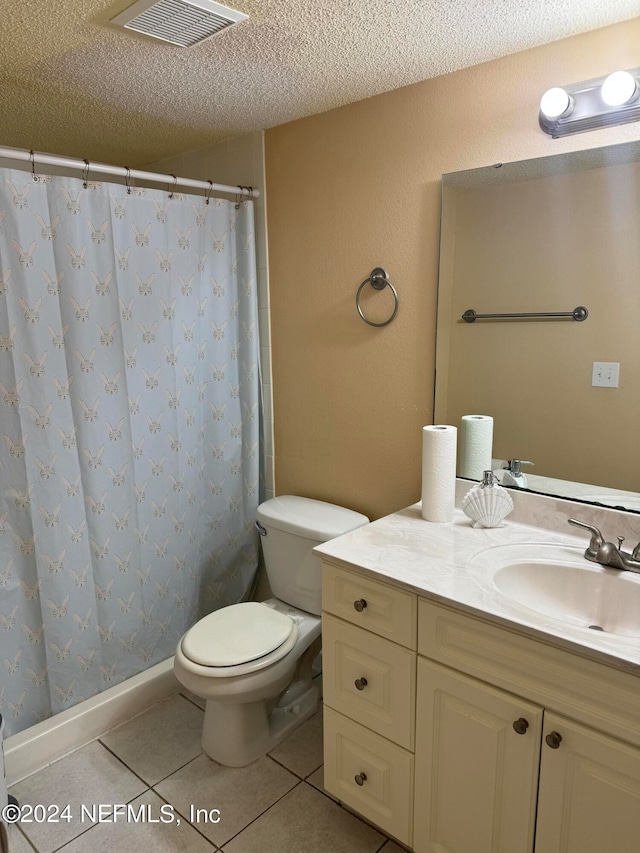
[71,83]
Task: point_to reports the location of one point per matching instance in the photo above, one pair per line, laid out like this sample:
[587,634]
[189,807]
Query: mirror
[546,235]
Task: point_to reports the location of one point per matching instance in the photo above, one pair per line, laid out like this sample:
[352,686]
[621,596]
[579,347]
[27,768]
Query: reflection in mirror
[547,235]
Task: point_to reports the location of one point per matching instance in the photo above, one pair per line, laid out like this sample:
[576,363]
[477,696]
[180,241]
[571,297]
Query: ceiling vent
[180,22]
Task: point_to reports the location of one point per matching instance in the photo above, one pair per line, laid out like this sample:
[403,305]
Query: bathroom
[349,185]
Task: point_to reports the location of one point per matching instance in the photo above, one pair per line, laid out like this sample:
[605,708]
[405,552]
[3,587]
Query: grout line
[299,782]
[189,699]
[75,837]
[124,763]
[26,837]
[330,797]
[280,764]
[349,811]
[157,782]
[302,778]
[314,771]
[182,766]
[325,793]
[366,821]
[186,819]
[94,825]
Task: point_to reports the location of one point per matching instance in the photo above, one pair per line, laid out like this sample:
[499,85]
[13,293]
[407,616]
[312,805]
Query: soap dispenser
[513,476]
[487,504]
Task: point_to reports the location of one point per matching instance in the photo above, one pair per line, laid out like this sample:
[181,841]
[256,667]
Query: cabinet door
[476,775]
[589,799]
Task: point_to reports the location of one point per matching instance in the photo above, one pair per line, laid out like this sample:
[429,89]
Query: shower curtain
[129,430]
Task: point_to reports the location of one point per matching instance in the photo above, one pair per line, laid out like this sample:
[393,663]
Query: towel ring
[378,279]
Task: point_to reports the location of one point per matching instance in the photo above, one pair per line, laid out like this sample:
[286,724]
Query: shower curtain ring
[85,174]
[32,157]
[207,193]
[173,187]
[127,180]
[250,193]
[239,196]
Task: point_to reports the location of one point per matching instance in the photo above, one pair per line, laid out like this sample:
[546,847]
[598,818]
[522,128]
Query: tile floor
[155,762]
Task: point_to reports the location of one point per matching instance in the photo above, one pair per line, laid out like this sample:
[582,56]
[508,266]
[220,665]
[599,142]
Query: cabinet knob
[520,726]
[361,778]
[361,683]
[360,604]
[554,739]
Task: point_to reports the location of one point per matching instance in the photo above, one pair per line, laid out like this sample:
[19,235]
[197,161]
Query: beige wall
[549,245]
[358,187]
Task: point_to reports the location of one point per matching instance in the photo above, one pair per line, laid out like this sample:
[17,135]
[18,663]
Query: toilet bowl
[252,662]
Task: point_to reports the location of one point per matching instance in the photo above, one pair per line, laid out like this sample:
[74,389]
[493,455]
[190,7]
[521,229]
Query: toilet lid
[236,634]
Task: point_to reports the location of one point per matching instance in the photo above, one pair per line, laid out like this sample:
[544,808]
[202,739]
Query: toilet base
[237,734]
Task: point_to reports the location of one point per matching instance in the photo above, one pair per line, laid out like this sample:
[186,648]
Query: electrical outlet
[606,374]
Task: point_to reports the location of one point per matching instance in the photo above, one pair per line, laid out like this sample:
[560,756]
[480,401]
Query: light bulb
[556,103]
[619,88]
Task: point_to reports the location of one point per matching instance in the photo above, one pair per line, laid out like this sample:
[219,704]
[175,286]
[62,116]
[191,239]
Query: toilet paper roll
[476,445]
[438,472]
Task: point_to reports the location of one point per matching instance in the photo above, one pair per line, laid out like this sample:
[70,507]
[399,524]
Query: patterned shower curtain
[129,430]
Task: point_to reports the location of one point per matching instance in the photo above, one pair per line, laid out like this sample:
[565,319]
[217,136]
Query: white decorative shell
[487,506]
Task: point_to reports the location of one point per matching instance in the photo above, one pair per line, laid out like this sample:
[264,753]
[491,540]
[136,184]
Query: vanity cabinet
[483,758]
[469,737]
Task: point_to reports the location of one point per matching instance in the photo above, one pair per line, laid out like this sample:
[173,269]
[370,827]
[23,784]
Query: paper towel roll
[438,472]
[476,445]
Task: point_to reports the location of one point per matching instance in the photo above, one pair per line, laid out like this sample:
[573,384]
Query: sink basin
[556,581]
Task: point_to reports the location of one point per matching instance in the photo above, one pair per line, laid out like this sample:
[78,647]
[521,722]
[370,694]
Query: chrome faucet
[608,554]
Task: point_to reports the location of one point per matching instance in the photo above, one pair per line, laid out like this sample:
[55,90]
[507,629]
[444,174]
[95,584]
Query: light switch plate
[606,374]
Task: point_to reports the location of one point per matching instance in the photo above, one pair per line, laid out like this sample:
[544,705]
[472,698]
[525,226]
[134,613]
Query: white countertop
[433,560]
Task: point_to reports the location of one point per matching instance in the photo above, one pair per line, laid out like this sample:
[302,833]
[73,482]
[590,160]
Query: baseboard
[35,747]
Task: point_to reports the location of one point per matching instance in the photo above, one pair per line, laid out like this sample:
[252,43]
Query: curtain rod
[40,159]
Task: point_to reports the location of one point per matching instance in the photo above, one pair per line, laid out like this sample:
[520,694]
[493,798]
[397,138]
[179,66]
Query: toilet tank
[292,527]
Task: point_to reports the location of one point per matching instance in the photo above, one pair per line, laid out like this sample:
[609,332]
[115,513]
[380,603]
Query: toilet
[252,662]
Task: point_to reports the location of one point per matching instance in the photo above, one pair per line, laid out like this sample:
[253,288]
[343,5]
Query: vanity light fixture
[602,102]
[556,102]
[619,88]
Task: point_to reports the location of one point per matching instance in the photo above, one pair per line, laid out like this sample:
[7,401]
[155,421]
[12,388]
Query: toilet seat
[238,639]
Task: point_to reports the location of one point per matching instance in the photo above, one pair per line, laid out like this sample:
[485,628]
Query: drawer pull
[554,739]
[520,726]
[361,683]
[360,604]
[361,778]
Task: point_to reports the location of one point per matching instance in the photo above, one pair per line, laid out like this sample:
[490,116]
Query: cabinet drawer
[369,679]
[385,610]
[385,796]
[588,691]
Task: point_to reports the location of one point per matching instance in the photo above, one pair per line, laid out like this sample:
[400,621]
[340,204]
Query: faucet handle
[620,541]
[597,539]
[513,465]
